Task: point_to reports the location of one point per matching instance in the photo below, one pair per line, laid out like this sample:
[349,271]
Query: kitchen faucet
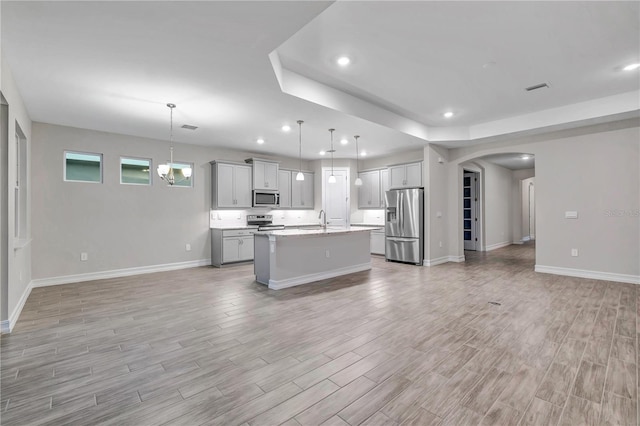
[323,217]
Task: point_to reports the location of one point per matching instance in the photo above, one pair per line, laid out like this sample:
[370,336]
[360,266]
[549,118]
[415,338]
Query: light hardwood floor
[395,345]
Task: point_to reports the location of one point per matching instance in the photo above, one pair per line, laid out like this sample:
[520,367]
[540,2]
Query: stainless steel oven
[262,198]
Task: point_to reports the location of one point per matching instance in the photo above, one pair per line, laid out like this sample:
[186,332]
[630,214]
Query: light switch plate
[570,215]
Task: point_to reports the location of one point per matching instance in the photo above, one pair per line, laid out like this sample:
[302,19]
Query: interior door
[336,197]
[469,210]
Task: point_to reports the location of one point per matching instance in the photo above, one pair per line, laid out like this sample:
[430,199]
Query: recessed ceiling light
[343,61]
[631,67]
[322,153]
[363,153]
[286,128]
[344,141]
[260,141]
[448,114]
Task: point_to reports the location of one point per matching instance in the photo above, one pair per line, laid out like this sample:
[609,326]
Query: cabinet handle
[266,184]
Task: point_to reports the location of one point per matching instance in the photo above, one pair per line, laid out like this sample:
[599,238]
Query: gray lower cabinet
[231,245]
[377,242]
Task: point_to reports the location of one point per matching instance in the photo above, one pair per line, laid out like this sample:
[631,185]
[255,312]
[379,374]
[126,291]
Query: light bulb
[332,179]
[300,176]
[186,172]
[163,169]
[358,182]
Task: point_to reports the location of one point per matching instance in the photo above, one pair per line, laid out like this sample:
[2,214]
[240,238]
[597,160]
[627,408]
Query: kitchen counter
[234,227]
[290,257]
[321,232]
[372,225]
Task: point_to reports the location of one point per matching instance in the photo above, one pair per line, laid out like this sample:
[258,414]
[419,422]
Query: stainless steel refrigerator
[404,225]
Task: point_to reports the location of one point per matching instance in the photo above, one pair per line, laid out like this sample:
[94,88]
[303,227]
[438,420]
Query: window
[181,180]
[82,167]
[135,171]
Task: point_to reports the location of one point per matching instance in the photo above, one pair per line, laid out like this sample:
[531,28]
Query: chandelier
[165,171]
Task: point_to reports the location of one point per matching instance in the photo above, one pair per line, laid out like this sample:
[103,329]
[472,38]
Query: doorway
[336,196]
[470,212]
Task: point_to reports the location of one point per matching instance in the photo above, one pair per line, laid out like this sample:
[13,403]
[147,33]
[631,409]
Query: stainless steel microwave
[262,198]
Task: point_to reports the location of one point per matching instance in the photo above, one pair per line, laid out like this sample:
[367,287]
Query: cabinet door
[413,174]
[363,192]
[384,185]
[224,185]
[307,191]
[302,192]
[246,248]
[265,175]
[242,186]
[377,242]
[374,184]
[284,183]
[397,176]
[271,176]
[231,249]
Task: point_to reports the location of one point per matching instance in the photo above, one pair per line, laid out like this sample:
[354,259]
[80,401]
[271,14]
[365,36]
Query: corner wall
[16,254]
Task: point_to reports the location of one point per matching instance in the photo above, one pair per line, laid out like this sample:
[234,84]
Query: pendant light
[358,181]
[332,178]
[165,171]
[300,175]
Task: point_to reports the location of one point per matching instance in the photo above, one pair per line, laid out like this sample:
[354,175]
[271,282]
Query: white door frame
[348,192]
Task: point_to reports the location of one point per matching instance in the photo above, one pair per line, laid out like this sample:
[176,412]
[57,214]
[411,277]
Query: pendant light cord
[300,145]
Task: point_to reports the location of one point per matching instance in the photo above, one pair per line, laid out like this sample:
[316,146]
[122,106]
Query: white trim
[517,242]
[6,326]
[527,238]
[436,261]
[457,259]
[318,276]
[581,273]
[116,273]
[497,245]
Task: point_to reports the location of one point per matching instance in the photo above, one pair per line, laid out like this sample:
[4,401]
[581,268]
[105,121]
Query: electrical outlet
[84,256]
[327,254]
[574,252]
[187,247]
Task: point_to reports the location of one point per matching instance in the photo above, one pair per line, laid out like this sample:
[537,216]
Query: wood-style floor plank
[395,345]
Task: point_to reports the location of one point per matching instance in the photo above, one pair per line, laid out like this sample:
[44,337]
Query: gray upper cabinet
[265,175]
[406,175]
[284,182]
[302,191]
[231,185]
[369,192]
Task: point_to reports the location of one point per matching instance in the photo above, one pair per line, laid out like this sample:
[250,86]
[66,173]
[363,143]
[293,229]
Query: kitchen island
[290,257]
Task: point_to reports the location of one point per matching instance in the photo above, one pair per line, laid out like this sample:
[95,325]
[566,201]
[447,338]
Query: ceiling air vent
[536,87]
[189,127]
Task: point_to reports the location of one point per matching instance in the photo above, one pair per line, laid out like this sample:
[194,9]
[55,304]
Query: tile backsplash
[239,217]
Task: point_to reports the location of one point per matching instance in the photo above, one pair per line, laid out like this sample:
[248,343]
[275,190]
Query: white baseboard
[290,282]
[6,326]
[116,273]
[524,239]
[498,245]
[596,275]
[436,261]
[457,259]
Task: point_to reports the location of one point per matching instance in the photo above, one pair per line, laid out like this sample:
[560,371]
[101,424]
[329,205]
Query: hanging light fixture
[332,178]
[300,175]
[358,181]
[165,171]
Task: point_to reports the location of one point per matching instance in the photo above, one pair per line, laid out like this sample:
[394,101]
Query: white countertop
[315,232]
[373,225]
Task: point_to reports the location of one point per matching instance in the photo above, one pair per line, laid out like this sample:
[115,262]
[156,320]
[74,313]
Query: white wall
[595,171]
[520,198]
[119,226]
[16,254]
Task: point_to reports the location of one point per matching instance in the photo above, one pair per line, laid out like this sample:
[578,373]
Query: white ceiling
[240,70]
[513,161]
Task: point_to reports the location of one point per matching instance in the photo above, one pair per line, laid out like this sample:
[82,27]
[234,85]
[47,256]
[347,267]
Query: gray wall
[595,171]
[119,226]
